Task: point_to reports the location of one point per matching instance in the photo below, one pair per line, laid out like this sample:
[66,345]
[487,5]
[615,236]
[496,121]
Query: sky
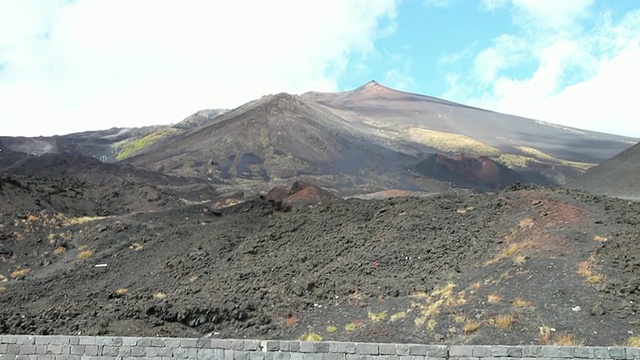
[69,66]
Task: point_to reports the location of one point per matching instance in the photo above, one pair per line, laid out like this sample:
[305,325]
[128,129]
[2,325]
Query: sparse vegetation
[3,289]
[59,250]
[122,291]
[85,255]
[331,329]
[521,303]
[159,295]
[475,286]
[494,298]
[504,321]
[136,246]
[431,324]
[599,238]
[595,279]
[470,327]
[3,278]
[519,260]
[567,339]
[80,220]
[290,320]
[352,326]
[377,316]
[311,337]
[452,143]
[544,334]
[398,316]
[633,341]
[511,249]
[20,273]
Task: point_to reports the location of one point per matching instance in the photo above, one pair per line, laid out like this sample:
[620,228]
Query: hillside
[617,177]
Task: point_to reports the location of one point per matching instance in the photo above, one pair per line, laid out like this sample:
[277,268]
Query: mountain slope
[435,125]
[617,177]
[279,137]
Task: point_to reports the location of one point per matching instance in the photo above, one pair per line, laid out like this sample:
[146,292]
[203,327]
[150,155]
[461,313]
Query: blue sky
[90,64]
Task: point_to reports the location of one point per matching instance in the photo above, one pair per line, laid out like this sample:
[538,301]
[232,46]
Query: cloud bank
[90,64]
[581,75]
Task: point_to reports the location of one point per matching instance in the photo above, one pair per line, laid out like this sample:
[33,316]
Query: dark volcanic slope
[616,177]
[280,137]
[481,269]
[404,114]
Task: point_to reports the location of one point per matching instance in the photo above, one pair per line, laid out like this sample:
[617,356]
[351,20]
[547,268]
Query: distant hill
[616,177]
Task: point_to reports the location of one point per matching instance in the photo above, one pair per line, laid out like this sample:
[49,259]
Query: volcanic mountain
[374,138]
[617,177]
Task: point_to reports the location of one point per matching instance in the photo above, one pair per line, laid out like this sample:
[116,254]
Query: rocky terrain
[208,231]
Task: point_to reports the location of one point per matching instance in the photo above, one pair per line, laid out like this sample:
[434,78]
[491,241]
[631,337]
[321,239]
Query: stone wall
[95,348]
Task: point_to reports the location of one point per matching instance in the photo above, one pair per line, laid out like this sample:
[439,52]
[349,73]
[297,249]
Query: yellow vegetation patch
[353,326]
[3,278]
[331,329]
[519,260]
[494,298]
[377,316]
[85,255]
[311,337]
[633,341]
[66,221]
[59,250]
[159,295]
[470,327]
[431,324]
[3,289]
[595,279]
[452,143]
[20,273]
[535,153]
[521,303]
[398,316]
[599,238]
[122,291]
[504,321]
[567,339]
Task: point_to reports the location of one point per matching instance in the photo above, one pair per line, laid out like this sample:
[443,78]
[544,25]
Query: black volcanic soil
[397,270]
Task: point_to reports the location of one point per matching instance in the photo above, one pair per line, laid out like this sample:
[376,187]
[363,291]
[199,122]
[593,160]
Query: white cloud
[92,64]
[438,3]
[557,69]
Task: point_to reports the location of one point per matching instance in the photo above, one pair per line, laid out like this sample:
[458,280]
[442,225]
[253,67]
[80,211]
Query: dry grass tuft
[494,298]
[20,273]
[59,250]
[398,316]
[136,246]
[567,339]
[599,238]
[159,295]
[470,327]
[504,321]
[633,341]
[85,255]
[595,279]
[353,326]
[3,289]
[122,291]
[331,329]
[290,320]
[475,286]
[519,260]
[377,316]
[511,249]
[431,324]
[3,278]
[80,220]
[521,303]
[526,223]
[311,337]
[544,334]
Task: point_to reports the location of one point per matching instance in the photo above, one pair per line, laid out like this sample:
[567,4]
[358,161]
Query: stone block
[461,351]
[342,347]
[402,349]
[617,353]
[514,351]
[306,346]
[321,347]
[418,350]
[280,355]
[387,349]
[367,349]
[251,345]
[481,351]
[205,353]
[600,352]
[220,344]
[27,350]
